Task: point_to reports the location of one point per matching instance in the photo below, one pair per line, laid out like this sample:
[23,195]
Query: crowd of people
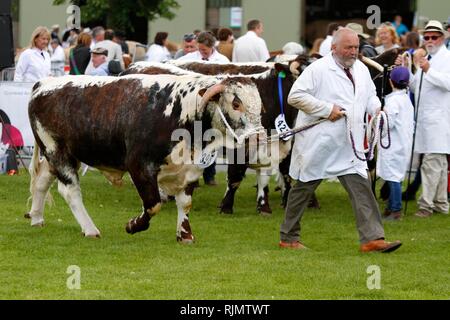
[337,86]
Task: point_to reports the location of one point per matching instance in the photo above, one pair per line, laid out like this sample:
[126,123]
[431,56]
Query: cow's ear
[201,92]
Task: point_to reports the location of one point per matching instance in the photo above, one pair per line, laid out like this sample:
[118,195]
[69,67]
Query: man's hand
[336,113]
[401,61]
[424,64]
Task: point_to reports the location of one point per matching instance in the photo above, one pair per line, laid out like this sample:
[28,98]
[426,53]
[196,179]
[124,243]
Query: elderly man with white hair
[335,86]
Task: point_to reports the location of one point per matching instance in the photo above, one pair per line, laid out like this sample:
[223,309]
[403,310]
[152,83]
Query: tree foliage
[118,13]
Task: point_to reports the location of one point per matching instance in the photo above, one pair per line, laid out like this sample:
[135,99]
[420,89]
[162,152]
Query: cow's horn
[372,63]
[211,92]
[294,67]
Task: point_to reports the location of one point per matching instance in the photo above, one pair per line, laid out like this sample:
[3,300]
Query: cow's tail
[34,169]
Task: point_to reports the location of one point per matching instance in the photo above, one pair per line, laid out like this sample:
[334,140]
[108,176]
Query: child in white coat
[392,163]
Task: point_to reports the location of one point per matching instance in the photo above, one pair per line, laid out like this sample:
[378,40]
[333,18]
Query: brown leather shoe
[393,215]
[380,245]
[423,213]
[297,245]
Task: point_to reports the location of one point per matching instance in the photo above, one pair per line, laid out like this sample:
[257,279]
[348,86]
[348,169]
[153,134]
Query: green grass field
[234,257]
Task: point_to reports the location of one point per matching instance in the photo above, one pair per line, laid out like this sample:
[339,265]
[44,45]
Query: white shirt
[325,46]
[392,163]
[381,49]
[58,60]
[216,57]
[157,53]
[325,150]
[433,119]
[33,65]
[250,48]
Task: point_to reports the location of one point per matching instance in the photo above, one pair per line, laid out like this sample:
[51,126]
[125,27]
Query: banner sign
[14,98]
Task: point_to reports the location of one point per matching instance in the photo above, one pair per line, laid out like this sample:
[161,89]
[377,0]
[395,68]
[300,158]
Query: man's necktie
[349,75]
[205,59]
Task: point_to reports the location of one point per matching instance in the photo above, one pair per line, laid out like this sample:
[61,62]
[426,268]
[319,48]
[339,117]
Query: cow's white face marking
[46,138]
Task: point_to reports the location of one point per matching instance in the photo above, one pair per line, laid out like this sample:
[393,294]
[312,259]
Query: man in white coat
[433,120]
[251,47]
[335,86]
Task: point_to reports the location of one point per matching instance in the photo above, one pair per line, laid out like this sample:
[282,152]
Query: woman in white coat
[392,163]
[335,82]
[158,51]
[34,63]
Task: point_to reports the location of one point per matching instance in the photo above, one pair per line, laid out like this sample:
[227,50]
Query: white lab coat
[32,67]
[216,57]
[325,46]
[325,151]
[433,120]
[250,48]
[58,60]
[157,53]
[392,163]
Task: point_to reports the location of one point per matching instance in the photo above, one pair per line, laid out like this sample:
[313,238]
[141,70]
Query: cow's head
[233,102]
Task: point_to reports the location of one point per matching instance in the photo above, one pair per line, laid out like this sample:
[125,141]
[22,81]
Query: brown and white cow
[267,84]
[123,125]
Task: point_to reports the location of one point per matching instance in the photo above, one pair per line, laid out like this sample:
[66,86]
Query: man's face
[98,59]
[433,41]
[190,46]
[205,51]
[346,49]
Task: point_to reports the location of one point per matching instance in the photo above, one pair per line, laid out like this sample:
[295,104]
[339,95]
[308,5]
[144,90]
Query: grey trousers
[364,204]
[434,183]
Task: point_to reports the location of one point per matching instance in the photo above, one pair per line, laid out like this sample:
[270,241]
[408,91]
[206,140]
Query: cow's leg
[69,188]
[184,205]
[235,174]
[262,198]
[145,180]
[41,180]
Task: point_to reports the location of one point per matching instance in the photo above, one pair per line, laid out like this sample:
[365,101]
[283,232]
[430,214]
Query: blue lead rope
[281,76]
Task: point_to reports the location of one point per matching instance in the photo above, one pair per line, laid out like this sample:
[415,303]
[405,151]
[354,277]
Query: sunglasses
[434,38]
[189,37]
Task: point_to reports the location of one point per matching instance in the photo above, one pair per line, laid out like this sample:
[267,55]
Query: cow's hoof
[39,224]
[185,240]
[265,214]
[226,210]
[91,235]
[137,225]
[27,215]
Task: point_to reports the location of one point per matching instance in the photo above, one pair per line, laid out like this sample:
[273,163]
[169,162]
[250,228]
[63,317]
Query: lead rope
[240,139]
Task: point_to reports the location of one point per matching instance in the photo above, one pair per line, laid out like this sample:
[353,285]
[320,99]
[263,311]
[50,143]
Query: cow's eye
[236,105]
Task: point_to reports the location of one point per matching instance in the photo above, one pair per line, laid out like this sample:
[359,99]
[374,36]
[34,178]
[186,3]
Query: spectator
[158,51]
[206,50]
[316,46]
[80,55]
[325,47]
[364,47]
[338,79]
[392,163]
[433,130]
[251,47]
[98,34]
[55,32]
[386,38]
[189,45]
[226,45]
[447,42]
[120,38]
[400,28]
[99,62]
[114,50]
[57,58]
[34,63]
